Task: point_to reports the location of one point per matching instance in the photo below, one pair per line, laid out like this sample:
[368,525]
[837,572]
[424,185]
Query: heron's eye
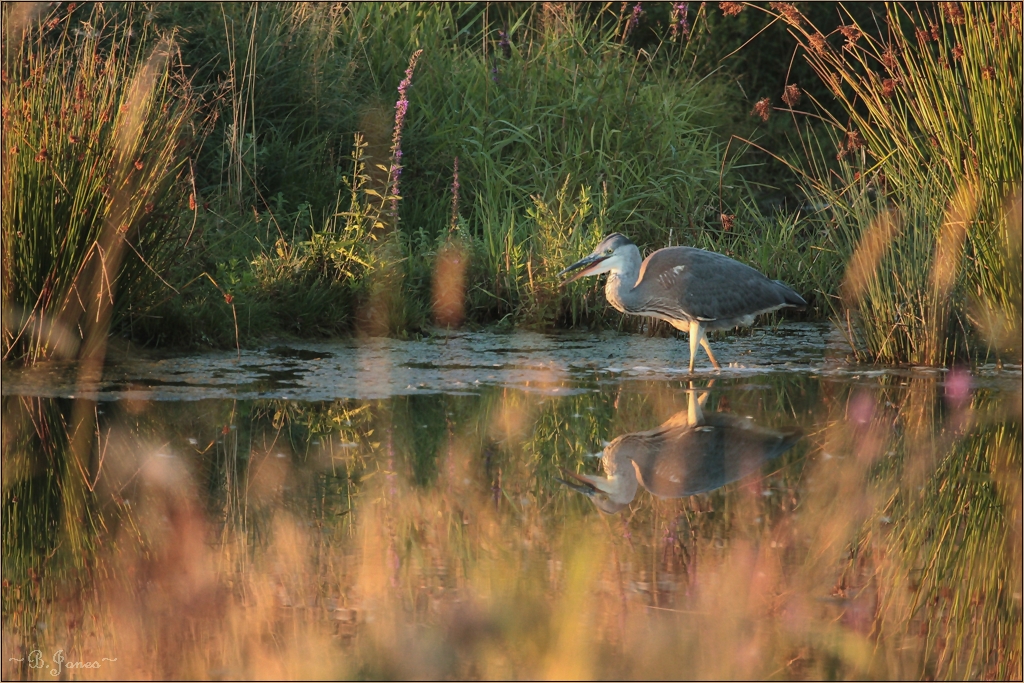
[608,252]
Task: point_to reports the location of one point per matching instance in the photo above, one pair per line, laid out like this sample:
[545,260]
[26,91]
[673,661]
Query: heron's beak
[577,482]
[586,264]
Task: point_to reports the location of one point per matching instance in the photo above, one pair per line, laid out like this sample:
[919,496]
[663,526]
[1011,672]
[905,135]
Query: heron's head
[608,494]
[611,254]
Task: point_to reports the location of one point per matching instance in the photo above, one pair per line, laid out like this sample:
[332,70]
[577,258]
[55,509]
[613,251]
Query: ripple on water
[540,363]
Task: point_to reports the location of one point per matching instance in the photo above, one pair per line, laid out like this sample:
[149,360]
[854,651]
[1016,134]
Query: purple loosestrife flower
[455,195]
[401,109]
[634,19]
[504,45]
[637,11]
[680,22]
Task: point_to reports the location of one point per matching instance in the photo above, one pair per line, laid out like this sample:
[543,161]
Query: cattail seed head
[791,95]
[851,33]
[730,9]
[789,12]
[763,108]
[952,12]
[850,143]
[889,59]
[818,44]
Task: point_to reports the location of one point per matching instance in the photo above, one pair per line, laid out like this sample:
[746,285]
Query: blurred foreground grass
[426,537]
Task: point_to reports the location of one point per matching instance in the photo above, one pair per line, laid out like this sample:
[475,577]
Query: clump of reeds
[96,127]
[928,138]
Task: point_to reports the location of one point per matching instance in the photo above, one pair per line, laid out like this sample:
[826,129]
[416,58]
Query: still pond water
[483,505]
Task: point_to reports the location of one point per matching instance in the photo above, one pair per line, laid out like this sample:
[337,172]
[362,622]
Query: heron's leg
[694,414]
[695,333]
[707,347]
[704,396]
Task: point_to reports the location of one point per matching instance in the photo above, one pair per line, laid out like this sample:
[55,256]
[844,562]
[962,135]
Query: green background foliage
[568,121]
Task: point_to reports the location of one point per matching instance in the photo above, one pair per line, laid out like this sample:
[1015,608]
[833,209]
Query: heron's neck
[619,287]
[621,482]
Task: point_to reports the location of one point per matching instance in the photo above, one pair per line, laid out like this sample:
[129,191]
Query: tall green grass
[283,82]
[563,130]
[932,138]
[563,133]
[567,123]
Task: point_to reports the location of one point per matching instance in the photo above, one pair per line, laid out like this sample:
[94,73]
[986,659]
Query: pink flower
[634,18]
[401,109]
[680,22]
[455,194]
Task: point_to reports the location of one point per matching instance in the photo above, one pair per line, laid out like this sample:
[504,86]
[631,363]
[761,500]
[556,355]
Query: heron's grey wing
[708,286]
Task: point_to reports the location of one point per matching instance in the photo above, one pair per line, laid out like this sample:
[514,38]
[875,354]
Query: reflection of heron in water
[692,452]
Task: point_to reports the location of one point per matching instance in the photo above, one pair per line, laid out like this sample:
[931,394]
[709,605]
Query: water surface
[433,508]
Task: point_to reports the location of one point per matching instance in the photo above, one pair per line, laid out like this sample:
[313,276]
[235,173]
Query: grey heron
[692,452]
[692,289]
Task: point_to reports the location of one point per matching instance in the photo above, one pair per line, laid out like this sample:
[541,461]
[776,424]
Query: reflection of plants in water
[378,546]
[32,510]
[954,541]
[928,559]
[31,479]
